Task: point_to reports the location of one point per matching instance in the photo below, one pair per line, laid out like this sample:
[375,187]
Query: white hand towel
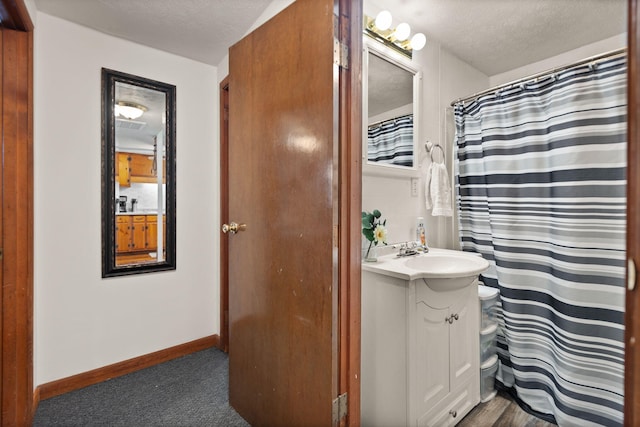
[437,190]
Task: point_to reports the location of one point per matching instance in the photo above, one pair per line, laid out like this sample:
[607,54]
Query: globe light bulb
[383,20]
[418,41]
[403,31]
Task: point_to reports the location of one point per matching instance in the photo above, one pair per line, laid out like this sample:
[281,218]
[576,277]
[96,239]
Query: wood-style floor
[501,411]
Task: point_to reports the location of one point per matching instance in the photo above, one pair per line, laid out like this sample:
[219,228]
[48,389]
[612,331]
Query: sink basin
[449,264]
[441,269]
[449,271]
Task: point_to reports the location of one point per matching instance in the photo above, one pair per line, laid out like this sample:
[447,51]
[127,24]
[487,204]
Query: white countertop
[446,264]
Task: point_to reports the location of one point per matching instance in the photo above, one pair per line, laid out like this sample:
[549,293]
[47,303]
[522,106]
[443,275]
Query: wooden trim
[350,208]
[65,385]
[15,16]
[632,322]
[16,227]
[36,401]
[224,214]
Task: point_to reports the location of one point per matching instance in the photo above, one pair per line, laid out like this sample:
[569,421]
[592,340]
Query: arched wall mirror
[391,91]
[138,175]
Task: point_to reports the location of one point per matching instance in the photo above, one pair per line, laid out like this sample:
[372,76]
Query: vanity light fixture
[129,110]
[379,28]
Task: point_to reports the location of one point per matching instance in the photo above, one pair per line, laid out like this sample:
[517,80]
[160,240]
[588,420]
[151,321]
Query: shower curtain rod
[613,53]
[379,122]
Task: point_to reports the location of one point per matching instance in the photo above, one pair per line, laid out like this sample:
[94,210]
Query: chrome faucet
[411,248]
[405,250]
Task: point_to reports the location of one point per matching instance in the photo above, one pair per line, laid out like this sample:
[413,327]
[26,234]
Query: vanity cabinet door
[123,233]
[432,356]
[464,339]
[138,233]
[445,386]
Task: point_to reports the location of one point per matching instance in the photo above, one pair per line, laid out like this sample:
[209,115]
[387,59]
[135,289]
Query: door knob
[233,228]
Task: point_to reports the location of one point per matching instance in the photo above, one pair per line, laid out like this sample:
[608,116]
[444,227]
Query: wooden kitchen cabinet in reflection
[123,233]
[152,232]
[133,167]
[123,169]
[137,233]
[142,168]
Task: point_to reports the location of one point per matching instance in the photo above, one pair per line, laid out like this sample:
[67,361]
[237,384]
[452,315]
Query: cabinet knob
[453,413]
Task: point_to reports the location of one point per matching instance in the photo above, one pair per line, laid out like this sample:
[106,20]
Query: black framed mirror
[138,174]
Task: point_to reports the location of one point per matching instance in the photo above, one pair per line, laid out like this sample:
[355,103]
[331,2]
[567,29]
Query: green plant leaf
[368,234]
[377,213]
[367,221]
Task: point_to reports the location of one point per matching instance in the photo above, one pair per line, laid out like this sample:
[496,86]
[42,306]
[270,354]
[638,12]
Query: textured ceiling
[202,30]
[496,36]
[492,35]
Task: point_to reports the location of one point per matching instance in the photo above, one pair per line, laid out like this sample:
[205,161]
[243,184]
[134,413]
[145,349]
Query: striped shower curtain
[541,170]
[391,141]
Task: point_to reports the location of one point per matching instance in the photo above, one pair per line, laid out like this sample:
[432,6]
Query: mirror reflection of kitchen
[139,175]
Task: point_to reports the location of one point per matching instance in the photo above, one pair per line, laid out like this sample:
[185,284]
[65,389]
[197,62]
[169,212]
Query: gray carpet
[189,391]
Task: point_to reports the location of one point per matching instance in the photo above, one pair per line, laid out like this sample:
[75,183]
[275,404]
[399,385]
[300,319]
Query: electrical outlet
[414,187]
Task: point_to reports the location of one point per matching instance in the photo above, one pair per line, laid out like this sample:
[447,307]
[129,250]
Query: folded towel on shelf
[438,190]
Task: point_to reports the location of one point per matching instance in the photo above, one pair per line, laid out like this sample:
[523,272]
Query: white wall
[567,58]
[31,8]
[82,321]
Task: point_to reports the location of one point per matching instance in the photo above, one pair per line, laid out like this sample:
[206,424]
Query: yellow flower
[380,234]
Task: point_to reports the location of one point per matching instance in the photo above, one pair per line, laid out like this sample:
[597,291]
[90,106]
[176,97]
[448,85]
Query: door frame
[16,215]
[350,211]
[632,323]
[224,214]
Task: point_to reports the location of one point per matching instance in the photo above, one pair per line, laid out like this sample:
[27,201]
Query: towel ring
[433,148]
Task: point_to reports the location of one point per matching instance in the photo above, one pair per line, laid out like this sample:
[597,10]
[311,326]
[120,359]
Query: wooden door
[283,180]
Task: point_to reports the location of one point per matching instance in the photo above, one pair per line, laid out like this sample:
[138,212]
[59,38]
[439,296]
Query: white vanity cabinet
[420,352]
[444,351]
